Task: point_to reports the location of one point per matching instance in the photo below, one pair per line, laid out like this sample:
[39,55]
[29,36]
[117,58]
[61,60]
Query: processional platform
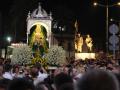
[84,56]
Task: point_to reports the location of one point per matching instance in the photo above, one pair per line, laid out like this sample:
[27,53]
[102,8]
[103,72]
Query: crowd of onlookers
[80,74]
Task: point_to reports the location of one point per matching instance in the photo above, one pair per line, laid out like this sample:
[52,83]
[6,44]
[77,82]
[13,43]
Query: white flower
[21,55]
[56,55]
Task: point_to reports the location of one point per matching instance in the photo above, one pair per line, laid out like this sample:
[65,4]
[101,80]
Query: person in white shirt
[7,72]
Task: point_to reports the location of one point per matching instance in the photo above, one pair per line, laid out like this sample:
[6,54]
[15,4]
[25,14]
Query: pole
[119,37]
[107,29]
[15,32]
[114,54]
[27,38]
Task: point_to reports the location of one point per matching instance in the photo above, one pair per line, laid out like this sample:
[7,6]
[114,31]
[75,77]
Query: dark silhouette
[20,84]
[61,79]
[98,80]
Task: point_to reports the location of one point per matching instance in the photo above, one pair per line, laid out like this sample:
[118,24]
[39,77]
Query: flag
[76,26]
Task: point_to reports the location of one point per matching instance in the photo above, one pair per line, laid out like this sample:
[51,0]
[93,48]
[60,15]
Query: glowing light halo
[40,23]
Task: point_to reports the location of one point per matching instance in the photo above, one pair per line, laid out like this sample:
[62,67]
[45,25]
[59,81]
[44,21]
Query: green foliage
[39,59]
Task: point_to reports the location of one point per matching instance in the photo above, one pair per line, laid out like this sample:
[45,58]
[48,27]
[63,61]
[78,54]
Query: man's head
[61,79]
[97,80]
[20,84]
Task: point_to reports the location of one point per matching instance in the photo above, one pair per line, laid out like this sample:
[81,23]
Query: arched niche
[45,23]
[37,38]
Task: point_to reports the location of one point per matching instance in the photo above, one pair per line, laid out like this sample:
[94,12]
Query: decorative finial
[50,15]
[39,6]
[28,15]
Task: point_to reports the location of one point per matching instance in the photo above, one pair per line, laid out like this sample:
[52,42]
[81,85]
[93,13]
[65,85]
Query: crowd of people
[76,75]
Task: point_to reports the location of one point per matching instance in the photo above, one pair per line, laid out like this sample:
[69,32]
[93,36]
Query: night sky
[91,20]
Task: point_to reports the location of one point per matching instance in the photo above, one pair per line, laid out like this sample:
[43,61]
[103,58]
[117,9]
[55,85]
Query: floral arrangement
[55,56]
[38,59]
[21,55]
